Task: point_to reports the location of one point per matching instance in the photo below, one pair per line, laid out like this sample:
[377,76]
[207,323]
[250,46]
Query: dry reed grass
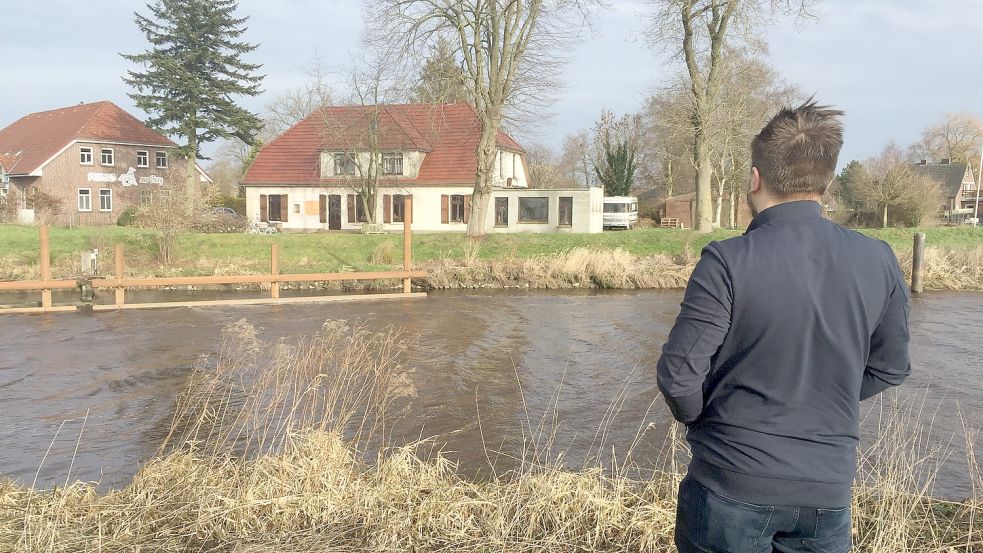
[576,268]
[258,460]
[948,269]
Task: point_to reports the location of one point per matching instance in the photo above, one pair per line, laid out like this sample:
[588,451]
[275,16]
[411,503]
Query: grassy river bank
[646,258]
[255,462]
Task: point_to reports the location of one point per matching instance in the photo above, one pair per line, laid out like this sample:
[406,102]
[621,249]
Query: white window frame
[146,158]
[83,150]
[102,157]
[110,196]
[87,196]
[160,156]
[392,163]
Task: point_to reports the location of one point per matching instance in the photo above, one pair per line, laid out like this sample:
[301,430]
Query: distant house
[307,178]
[94,159]
[958,187]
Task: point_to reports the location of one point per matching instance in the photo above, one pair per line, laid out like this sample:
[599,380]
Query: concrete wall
[588,211]
[303,210]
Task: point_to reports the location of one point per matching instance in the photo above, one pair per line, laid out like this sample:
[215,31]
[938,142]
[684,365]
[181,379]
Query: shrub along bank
[645,258]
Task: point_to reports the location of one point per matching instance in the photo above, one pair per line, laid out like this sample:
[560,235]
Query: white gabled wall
[587,208]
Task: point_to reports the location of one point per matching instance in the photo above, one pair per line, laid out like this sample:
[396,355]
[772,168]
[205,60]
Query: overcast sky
[895,66]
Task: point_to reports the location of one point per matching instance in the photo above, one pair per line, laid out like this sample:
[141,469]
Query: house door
[334,212]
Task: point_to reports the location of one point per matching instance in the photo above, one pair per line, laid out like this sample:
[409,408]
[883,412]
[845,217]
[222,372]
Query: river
[506,359]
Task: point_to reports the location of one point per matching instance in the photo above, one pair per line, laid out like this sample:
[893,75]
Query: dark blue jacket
[782,332]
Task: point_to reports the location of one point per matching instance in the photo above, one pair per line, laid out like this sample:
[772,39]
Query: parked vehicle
[620,212]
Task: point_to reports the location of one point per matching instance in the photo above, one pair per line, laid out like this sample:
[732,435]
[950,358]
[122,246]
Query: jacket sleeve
[700,328]
[888,363]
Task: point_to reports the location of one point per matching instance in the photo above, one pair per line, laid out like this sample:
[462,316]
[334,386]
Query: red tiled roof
[37,137]
[448,134]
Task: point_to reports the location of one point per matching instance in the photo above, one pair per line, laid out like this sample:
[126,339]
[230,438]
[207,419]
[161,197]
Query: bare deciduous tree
[509,51]
[546,168]
[958,137]
[699,32]
[576,159]
[889,182]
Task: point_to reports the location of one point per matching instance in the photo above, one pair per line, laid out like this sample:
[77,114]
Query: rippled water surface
[486,364]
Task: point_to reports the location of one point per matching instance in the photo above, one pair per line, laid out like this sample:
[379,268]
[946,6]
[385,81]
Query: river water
[92,395]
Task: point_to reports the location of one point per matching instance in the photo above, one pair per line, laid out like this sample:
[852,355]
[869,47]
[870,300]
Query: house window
[85,199]
[399,208]
[501,212]
[566,211]
[105,199]
[392,164]
[143,158]
[534,210]
[344,164]
[146,197]
[275,206]
[457,208]
[85,155]
[162,160]
[106,157]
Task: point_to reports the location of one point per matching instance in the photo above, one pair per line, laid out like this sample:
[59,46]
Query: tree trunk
[487,151]
[885,216]
[718,204]
[703,221]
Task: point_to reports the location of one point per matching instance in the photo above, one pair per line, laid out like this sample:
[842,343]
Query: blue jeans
[709,522]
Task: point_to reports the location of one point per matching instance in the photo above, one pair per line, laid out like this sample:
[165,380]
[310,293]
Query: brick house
[95,160]
[303,180]
[958,187]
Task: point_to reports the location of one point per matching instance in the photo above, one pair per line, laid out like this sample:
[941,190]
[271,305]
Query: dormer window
[344,164]
[392,164]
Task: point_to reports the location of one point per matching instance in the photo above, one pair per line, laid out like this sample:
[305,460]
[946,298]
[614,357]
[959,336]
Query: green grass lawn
[242,253]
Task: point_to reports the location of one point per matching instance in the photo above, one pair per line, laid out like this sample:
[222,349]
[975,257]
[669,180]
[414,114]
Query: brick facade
[65,175]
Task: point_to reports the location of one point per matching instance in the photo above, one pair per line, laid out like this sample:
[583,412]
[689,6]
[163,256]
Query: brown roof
[37,137]
[448,133]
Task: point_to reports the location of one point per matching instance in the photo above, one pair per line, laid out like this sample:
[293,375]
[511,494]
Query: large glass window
[457,208]
[392,164]
[501,212]
[105,199]
[344,164]
[615,208]
[85,199]
[534,210]
[399,208]
[566,211]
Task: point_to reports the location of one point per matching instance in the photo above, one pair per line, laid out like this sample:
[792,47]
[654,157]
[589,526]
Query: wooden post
[118,263]
[407,242]
[274,270]
[45,266]
[917,262]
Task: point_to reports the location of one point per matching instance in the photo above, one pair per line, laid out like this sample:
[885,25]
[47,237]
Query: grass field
[240,253]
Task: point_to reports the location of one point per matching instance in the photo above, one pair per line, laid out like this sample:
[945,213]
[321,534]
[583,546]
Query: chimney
[944,162]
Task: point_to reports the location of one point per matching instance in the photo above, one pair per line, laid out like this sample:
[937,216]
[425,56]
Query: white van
[620,212]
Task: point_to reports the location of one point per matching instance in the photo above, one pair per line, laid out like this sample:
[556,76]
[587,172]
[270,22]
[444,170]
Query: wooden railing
[120,282]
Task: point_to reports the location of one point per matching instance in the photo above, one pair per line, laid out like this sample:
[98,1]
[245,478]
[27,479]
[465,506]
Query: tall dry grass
[266,454]
[948,269]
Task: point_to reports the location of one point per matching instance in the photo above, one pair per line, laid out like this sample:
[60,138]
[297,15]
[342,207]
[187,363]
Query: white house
[309,177]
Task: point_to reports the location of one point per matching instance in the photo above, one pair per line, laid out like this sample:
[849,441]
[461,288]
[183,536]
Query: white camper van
[620,212]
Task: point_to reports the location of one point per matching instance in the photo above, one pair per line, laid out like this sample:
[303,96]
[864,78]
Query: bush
[128,218]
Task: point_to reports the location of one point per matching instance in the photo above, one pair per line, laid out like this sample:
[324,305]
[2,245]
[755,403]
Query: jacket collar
[800,209]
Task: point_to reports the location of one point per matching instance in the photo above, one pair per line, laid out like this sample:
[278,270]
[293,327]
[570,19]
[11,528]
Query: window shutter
[387,208]
[445,209]
[263,206]
[467,208]
[284,208]
[323,208]
[351,208]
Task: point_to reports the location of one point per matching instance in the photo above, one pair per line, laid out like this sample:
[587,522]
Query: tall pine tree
[191,73]
[441,79]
